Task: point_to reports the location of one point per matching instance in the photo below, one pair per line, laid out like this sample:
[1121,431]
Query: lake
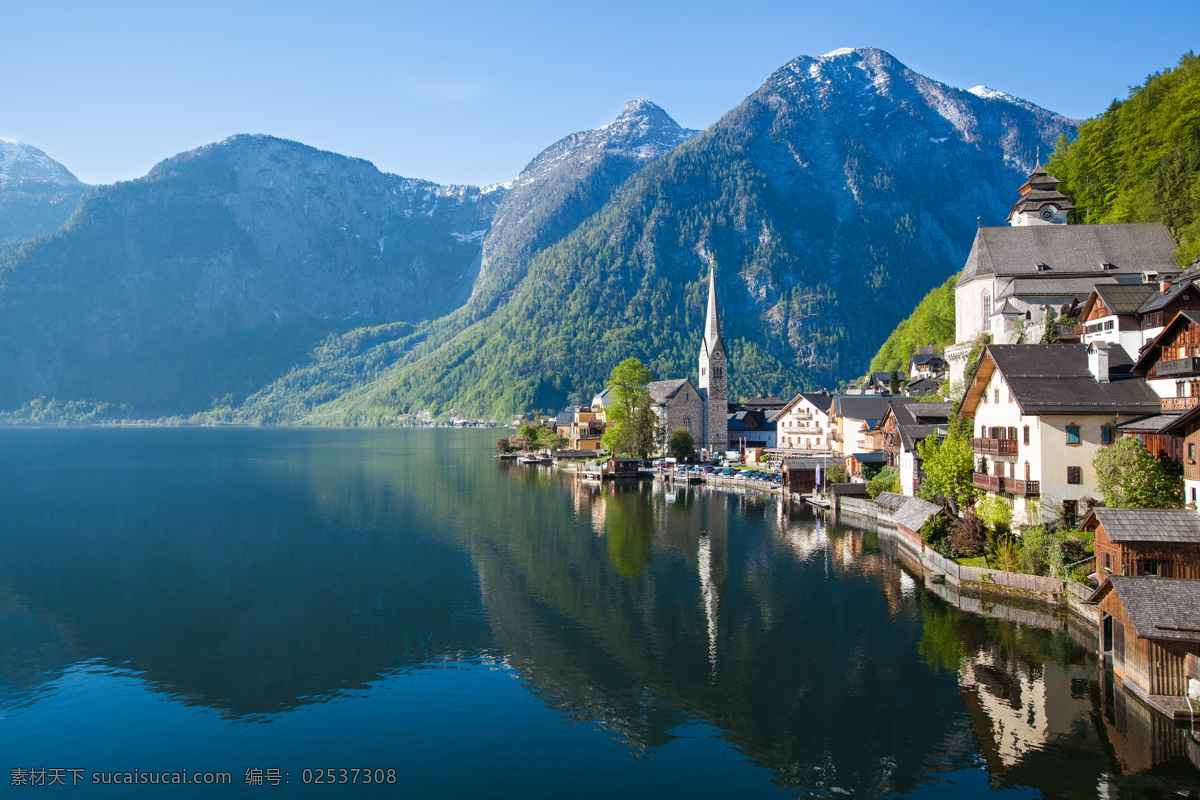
[275,606]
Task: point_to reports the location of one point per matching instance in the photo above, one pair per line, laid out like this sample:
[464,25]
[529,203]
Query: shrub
[887,480]
[970,536]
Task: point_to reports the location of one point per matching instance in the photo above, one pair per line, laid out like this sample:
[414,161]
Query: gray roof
[661,391]
[870,458]
[1163,525]
[1130,247]
[914,513]
[1125,298]
[914,413]
[911,434]
[821,400]
[1048,289]
[805,463]
[922,386]
[1152,424]
[1179,284]
[890,500]
[856,406]
[1054,379]
[1159,608]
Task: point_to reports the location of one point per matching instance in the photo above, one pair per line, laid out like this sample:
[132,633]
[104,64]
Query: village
[1048,453]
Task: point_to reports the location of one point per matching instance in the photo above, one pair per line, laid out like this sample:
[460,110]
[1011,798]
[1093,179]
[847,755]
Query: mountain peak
[24,162]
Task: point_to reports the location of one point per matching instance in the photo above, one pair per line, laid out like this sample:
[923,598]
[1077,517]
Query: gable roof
[911,434]
[1179,284]
[1119,298]
[662,391]
[1159,608]
[1129,247]
[1152,351]
[858,406]
[1164,525]
[1055,379]
[911,512]
[818,400]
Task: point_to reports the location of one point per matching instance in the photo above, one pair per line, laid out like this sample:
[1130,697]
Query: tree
[682,444]
[894,385]
[886,480]
[503,445]
[948,464]
[1128,476]
[549,439]
[633,423]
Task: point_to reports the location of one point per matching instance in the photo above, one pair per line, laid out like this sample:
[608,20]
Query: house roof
[1121,298]
[855,406]
[764,402]
[869,458]
[1179,284]
[804,463]
[1047,289]
[913,512]
[1159,608]
[1184,423]
[1162,525]
[661,391]
[819,400]
[1054,379]
[911,434]
[921,387]
[925,358]
[1151,424]
[1151,352]
[1129,247]
[747,420]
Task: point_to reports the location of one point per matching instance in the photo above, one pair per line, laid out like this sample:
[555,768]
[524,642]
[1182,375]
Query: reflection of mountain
[213,576]
[721,626]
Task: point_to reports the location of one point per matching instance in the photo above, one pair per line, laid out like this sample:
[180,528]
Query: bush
[936,533]
[836,473]
[970,536]
[887,480]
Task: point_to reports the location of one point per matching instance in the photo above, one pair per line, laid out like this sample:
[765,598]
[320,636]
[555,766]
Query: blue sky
[469,92]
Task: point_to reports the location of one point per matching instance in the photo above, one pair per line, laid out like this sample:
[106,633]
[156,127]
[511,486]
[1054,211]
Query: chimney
[1164,286]
[1098,361]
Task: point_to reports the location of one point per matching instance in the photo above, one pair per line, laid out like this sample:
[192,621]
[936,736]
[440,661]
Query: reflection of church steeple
[712,563]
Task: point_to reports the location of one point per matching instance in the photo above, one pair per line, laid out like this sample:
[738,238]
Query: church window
[987,310]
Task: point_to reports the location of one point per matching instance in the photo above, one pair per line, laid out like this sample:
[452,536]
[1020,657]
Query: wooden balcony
[990,483]
[1179,403]
[1020,488]
[994,447]
[1177,366]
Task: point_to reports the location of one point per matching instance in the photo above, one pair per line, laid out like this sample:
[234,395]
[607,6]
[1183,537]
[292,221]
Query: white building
[1042,413]
[803,425]
[1014,276]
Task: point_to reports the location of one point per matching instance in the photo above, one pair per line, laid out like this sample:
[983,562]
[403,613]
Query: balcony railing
[991,483]
[995,447]
[1020,488]
[1179,403]
[1178,366]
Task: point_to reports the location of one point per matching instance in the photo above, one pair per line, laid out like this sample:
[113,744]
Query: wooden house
[1159,542]
[1148,627]
[1185,430]
[1171,363]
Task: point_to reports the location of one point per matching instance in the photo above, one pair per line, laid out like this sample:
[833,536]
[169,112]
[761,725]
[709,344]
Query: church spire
[712,325]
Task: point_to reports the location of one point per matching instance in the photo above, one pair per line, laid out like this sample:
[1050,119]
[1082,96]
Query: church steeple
[714,381]
[712,324]
[1041,202]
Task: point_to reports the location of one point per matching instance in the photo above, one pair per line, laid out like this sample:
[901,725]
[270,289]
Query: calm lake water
[305,601]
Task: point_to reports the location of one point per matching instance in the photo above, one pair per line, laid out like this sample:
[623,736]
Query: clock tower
[714,376]
[1041,202]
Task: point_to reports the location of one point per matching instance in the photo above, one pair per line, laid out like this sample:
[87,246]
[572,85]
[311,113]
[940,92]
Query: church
[701,410]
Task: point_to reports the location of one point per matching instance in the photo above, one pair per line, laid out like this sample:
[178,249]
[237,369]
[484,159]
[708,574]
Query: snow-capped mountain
[568,182]
[37,194]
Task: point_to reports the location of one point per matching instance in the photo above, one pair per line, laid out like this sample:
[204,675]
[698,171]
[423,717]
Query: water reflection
[255,572]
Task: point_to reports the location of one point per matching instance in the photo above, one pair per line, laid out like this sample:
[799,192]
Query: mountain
[37,194]
[222,267]
[832,199]
[564,185]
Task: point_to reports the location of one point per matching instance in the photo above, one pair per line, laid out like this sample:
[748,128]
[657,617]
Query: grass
[978,561]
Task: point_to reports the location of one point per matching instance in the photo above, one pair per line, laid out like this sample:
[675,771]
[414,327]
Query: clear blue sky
[469,92]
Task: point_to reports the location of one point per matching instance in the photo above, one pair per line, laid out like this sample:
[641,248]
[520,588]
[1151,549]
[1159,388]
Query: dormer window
[1107,265]
[1042,267]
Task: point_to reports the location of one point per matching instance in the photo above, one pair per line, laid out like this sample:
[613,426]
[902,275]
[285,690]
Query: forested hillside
[932,322]
[1139,161]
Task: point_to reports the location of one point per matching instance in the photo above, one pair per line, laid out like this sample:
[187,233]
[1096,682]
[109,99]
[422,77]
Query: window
[1072,434]
[1108,561]
[1026,434]
[1150,567]
[986,304]
[1074,474]
[1107,434]
[1070,509]
[1192,454]
[997,396]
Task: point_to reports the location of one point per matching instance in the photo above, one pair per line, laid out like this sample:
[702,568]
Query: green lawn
[978,561]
